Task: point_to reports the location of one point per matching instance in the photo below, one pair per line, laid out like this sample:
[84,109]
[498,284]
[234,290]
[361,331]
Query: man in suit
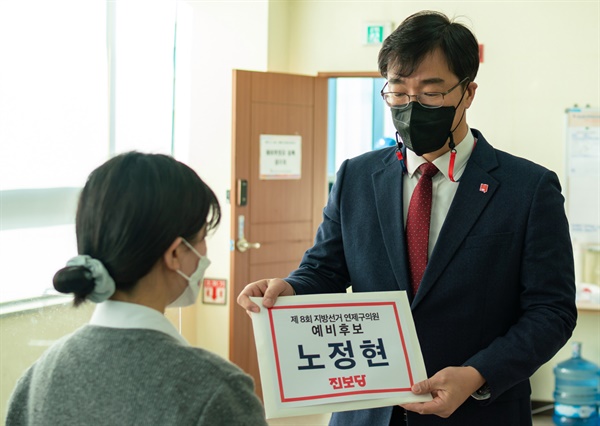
[496,298]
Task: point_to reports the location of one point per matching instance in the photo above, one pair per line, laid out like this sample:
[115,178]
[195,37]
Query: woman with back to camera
[141,225]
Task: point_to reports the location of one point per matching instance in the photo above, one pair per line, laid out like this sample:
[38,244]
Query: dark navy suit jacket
[498,293]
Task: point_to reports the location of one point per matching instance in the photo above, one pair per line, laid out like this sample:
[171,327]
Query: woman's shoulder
[166,349]
[143,351]
[207,359]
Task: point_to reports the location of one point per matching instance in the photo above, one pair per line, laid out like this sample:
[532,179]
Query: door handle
[242,243]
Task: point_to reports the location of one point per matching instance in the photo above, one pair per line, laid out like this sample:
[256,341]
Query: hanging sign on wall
[215,291]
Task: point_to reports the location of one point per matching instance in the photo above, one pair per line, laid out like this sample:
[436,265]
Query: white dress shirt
[131,315]
[443,189]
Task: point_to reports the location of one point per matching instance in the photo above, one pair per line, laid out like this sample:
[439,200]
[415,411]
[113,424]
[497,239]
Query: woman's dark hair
[130,211]
[422,33]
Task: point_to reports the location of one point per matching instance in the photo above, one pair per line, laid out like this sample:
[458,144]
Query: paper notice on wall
[583,174]
[337,352]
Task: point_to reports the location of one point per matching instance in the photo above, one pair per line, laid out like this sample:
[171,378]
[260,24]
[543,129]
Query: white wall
[226,36]
[278,36]
[539,58]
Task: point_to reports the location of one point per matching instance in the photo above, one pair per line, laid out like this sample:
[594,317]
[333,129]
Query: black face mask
[424,130]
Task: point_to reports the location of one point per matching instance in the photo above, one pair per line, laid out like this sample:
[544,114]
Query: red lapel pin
[483,187]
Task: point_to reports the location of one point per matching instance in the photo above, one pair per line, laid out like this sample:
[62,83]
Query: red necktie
[417,225]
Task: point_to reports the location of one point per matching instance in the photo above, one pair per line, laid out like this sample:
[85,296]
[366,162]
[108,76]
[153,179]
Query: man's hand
[269,289]
[449,387]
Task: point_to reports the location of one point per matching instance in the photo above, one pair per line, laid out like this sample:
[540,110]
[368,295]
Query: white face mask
[190,294]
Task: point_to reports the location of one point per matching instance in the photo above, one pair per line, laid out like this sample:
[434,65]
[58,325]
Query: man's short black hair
[421,34]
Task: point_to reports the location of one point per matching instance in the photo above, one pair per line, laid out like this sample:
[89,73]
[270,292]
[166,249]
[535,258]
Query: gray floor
[320,420]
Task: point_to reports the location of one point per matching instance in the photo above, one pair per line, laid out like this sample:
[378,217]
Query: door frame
[238,324]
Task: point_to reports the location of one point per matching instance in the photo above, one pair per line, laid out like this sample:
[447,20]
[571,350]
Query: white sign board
[280,157]
[583,175]
[337,352]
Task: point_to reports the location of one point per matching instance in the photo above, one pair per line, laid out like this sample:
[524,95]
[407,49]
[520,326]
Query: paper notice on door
[337,352]
[280,157]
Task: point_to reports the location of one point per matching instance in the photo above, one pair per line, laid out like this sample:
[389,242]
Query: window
[77,85]
[358,120]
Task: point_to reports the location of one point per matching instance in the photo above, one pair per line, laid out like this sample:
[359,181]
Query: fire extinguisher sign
[215,291]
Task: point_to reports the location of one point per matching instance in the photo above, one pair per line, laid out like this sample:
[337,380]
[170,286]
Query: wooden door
[281,215]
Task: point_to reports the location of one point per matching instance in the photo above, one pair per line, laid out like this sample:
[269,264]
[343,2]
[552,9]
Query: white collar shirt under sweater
[131,315]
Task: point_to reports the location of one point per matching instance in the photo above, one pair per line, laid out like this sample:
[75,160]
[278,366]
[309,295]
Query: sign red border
[332,305]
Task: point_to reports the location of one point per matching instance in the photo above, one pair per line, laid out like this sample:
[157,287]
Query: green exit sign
[375,32]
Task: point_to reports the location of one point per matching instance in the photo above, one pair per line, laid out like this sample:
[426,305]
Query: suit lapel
[468,204]
[387,185]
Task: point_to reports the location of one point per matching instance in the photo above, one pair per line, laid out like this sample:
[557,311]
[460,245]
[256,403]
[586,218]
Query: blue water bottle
[576,392]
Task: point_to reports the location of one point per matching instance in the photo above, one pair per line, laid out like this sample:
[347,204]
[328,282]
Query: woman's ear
[171,256]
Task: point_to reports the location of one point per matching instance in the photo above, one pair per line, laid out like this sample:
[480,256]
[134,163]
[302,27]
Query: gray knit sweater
[108,376]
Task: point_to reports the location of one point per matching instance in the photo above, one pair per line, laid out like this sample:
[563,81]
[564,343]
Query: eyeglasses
[431,100]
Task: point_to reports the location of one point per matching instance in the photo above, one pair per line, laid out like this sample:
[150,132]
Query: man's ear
[471,89]
[171,256]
